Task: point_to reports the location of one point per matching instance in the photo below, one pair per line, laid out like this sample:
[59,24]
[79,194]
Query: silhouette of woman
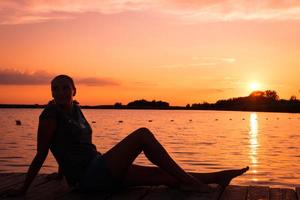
[64,130]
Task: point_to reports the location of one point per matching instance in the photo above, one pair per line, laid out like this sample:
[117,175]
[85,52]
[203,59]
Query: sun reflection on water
[253,143]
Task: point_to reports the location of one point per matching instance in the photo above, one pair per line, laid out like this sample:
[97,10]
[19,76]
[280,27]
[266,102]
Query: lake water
[200,141]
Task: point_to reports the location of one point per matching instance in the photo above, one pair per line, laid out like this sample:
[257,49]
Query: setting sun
[254,86]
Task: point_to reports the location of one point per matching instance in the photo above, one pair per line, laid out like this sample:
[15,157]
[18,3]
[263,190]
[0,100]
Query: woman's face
[62,92]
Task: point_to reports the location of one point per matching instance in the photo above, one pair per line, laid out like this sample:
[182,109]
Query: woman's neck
[67,108]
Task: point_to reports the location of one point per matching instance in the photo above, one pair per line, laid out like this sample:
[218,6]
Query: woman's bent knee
[143,134]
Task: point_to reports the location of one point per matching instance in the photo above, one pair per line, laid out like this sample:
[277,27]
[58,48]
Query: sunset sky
[179,51]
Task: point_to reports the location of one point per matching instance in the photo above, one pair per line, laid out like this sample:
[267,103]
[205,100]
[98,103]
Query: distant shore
[246,109]
[257,101]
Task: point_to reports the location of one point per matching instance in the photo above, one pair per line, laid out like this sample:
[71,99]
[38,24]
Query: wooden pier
[42,188]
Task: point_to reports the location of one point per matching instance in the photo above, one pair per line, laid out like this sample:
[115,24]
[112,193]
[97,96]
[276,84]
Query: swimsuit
[97,177]
[82,165]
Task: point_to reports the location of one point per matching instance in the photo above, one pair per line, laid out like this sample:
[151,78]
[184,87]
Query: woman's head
[63,89]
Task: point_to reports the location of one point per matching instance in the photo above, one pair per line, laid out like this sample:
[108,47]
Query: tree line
[266,101]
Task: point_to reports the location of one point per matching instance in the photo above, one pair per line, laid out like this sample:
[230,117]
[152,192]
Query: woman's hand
[54,176]
[13,192]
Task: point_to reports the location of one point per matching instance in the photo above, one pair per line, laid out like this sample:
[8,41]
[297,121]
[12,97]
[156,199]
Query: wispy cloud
[213,60]
[202,61]
[33,11]
[91,81]
[230,10]
[213,90]
[16,77]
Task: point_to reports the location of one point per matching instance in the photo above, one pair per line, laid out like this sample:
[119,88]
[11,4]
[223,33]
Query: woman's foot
[223,178]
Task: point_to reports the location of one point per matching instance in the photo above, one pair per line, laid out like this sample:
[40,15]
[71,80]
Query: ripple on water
[16,165]
[10,143]
[10,157]
[204,143]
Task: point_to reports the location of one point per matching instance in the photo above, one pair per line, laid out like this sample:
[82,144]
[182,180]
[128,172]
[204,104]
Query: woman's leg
[145,175]
[120,158]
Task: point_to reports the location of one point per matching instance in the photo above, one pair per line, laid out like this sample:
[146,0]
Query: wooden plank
[215,195]
[276,194]
[38,180]
[298,192]
[12,181]
[289,194]
[162,192]
[258,193]
[9,178]
[235,193]
[48,190]
[130,193]
[76,195]
[44,189]
[3,176]
[202,196]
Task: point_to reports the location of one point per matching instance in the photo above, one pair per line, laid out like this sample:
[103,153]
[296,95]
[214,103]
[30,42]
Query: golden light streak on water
[253,143]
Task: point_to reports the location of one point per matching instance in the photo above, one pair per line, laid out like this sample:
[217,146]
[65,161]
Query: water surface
[200,141]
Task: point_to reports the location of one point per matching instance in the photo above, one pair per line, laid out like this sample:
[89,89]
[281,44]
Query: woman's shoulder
[50,111]
[76,105]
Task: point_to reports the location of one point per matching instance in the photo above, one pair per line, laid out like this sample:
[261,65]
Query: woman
[64,130]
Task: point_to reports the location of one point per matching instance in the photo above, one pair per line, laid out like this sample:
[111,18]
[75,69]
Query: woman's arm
[45,134]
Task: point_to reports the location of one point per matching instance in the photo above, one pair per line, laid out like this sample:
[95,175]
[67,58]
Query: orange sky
[176,51]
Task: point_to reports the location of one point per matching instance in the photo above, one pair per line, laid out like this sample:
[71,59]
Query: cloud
[230,10]
[34,11]
[212,60]
[90,81]
[201,61]
[213,90]
[16,77]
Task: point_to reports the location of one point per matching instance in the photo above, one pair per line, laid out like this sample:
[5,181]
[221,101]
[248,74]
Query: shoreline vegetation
[258,101]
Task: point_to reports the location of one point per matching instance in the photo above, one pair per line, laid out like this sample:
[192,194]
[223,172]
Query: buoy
[172,120]
[93,122]
[150,120]
[120,121]
[243,119]
[230,119]
[216,119]
[18,122]
[190,120]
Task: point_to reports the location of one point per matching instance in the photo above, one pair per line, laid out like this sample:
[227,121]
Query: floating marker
[93,122]
[18,122]
[120,121]
[150,120]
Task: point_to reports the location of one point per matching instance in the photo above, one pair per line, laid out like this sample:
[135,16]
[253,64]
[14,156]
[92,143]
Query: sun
[254,86]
